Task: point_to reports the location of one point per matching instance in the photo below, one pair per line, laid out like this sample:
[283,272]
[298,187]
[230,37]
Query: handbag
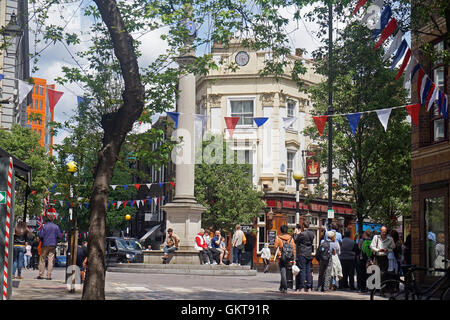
[295,270]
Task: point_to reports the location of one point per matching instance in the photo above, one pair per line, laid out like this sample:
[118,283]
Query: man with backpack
[323,256]
[285,248]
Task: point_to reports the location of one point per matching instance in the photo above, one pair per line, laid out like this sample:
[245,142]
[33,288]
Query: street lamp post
[330,111]
[298,176]
[128,218]
[73,235]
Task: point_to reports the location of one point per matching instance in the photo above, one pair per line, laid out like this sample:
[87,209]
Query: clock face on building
[242,58]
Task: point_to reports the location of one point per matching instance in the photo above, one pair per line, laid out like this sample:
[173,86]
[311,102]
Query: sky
[70,16]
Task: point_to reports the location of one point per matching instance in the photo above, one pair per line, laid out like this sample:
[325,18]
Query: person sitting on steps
[171,245]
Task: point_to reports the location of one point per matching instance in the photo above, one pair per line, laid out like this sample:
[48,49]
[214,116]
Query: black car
[123,250]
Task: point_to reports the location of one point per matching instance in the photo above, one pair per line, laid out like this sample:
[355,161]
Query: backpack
[287,251]
[244,239]
[323,251]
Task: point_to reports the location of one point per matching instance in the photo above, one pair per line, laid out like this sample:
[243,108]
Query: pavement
[129,286]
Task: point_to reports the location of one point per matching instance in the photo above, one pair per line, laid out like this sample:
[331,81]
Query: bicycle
[409,289]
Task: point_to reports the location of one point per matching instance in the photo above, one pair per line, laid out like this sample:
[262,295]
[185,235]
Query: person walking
[348,261]
[201,246]
[21,236]
[265,256]
[34,252]
[49,234]
[381,245]
[171,245]
[27,255]
[364,258]
[304,240]
[237,243]
[285,246]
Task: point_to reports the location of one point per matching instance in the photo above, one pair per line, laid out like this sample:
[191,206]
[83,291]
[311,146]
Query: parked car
[123,250]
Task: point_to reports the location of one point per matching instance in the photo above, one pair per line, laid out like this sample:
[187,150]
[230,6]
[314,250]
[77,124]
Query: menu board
[271,236]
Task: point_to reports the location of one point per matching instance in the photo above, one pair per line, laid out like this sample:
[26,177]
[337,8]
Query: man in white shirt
[381,245]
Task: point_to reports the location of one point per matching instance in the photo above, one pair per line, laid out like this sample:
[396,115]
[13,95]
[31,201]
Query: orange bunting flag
[413,110]
[231,123]
[320,123]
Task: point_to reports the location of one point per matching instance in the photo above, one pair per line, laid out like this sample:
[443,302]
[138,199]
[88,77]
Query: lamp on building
[308,217]
[73,235]
[11,30]
[298,176]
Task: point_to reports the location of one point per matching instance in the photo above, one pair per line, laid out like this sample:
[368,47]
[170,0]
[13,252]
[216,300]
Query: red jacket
[200,242]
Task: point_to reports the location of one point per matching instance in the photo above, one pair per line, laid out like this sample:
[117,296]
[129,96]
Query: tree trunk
[116,126]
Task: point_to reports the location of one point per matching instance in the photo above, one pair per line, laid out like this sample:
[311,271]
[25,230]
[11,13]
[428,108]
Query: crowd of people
[340,257]
[38,251]
[213,250]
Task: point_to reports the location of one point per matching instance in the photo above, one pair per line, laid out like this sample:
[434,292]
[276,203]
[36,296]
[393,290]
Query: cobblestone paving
[127,286]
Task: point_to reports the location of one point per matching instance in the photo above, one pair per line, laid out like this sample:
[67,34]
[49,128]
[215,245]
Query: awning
[148,234]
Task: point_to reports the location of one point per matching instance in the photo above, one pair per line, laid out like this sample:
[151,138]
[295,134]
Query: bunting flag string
[116,203]
[124,186]
[427,91]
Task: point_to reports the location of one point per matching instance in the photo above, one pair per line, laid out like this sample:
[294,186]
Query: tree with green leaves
[226,190]
[376,162]
[23,143]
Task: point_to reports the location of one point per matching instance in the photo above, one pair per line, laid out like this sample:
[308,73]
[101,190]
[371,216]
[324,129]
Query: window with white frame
[291,110]
[290,167]
[244,110]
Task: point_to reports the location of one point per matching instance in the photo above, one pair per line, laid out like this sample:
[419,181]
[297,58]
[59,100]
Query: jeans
[283,269]
[305,273]
[348,273]
[324,281]
[206,254]
[18,254]
[168,250]
[27,261]
[237,254]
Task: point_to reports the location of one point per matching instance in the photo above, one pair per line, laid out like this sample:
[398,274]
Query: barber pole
[8,220]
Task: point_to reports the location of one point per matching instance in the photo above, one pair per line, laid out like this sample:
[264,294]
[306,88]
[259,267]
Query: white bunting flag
[422,87]
[288,121]
[148,185]
[24,90]
[383,116]
[118,204]
[114,186]
[408,71]
[394,45]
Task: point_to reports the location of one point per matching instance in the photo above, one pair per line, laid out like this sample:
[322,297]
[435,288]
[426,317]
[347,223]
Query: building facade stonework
[274,151]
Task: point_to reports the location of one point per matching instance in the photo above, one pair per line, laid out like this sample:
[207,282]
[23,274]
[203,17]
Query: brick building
[430,159]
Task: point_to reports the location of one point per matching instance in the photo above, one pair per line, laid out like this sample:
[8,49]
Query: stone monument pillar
[184,213]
